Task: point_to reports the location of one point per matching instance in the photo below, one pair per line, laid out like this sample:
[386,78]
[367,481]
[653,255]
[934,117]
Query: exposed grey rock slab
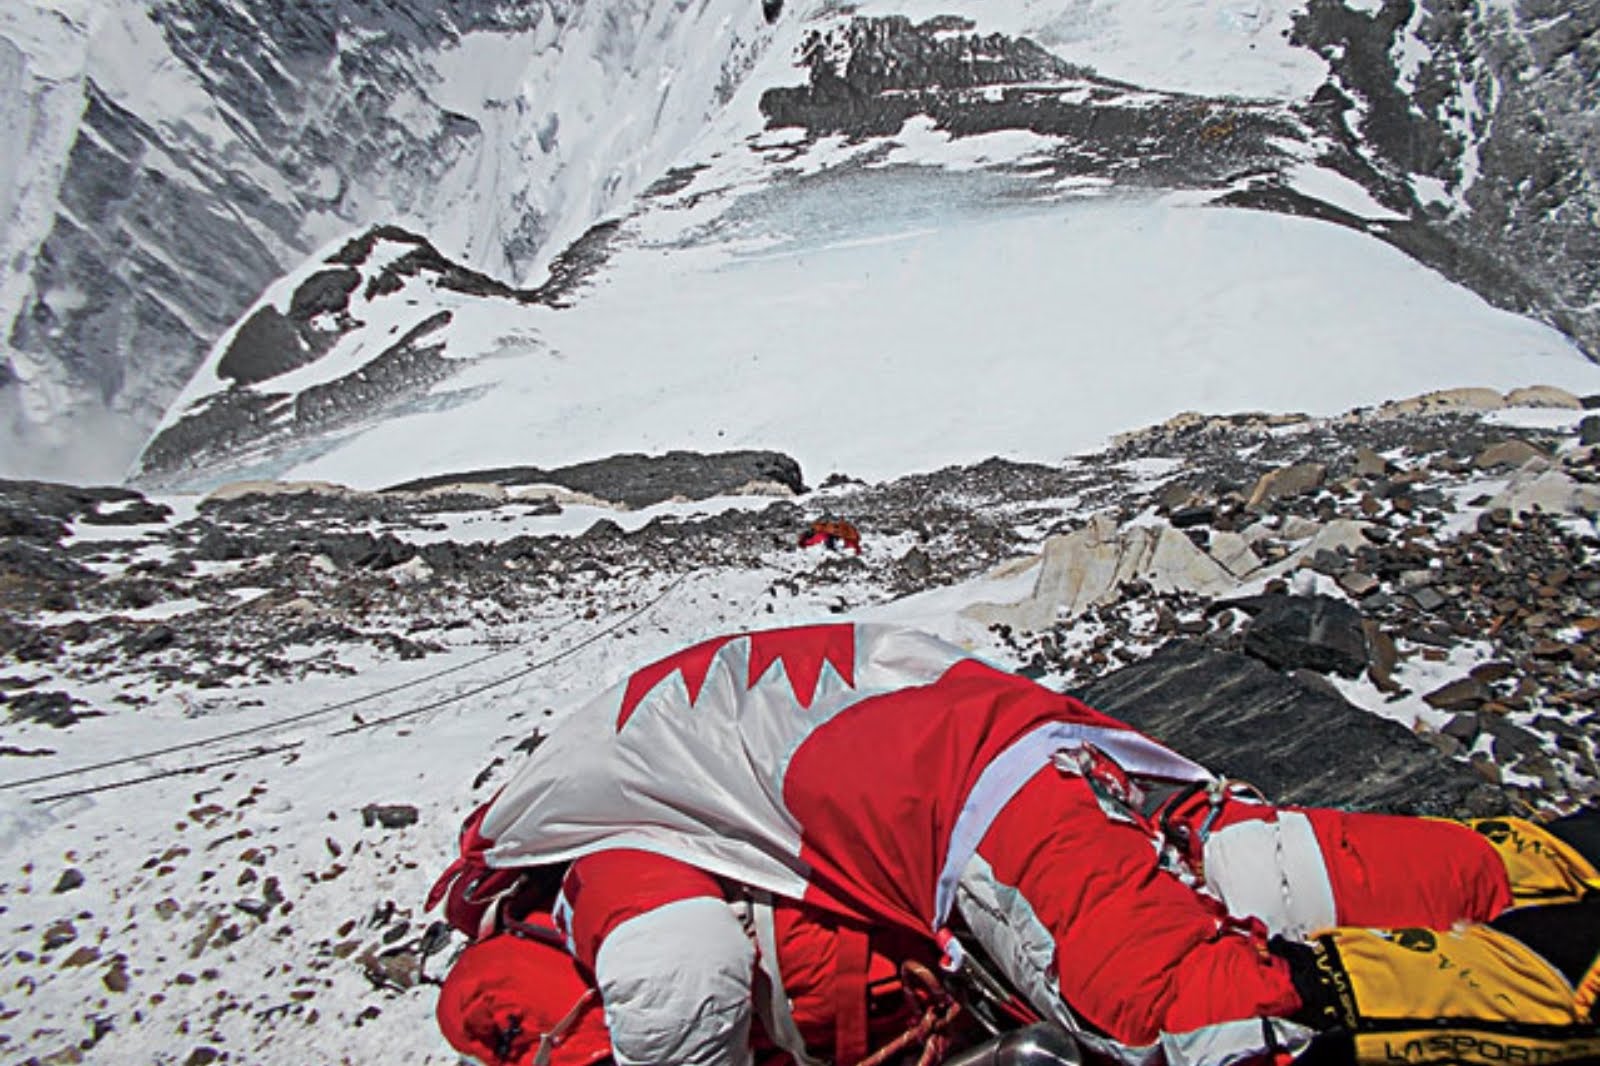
[1314,632]
[641,480]
[1296,743]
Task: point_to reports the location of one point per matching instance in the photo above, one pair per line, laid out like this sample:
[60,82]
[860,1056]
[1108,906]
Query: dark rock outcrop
[867,76]
[268,344]
[642,480]
[1313,632]
[1502,110]
[1297,744]
[36,500]
[55,709]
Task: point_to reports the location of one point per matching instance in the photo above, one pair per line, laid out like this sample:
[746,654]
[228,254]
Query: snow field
[894,345]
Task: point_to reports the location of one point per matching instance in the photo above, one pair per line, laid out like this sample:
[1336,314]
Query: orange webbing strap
[851,955]
[1588,992]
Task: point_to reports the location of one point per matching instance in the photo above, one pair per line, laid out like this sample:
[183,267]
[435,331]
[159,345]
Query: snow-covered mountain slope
[887,208]
[181,154]
[1030,332]
[376,320]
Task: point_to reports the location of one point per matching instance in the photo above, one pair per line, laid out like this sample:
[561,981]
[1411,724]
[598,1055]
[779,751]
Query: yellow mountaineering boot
[1545,863]
[1519,990]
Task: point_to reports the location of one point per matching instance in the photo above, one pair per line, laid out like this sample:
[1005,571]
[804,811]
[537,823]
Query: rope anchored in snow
[178,771]
[304,716]
[267,727]
[506,680]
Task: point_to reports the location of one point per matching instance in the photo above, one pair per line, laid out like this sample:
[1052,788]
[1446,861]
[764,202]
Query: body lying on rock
[784,843]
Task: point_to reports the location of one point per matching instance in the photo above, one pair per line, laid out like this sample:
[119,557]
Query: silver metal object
[1040,1044]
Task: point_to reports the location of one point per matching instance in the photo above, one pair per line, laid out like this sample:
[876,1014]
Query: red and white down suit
[807,976]
[892,779]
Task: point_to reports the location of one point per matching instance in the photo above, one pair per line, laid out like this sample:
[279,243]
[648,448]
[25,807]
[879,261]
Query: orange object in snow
[832,531]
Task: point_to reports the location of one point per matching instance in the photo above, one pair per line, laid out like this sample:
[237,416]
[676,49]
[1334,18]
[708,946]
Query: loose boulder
[1089,566]
[1310,632]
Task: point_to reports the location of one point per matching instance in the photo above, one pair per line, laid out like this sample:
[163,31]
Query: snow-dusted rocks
[1537,486]
[1472,589]
[885,78]
[375,323]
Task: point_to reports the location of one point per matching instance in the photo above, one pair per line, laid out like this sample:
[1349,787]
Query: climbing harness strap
[772,1000]
[851,956]
[553,1037]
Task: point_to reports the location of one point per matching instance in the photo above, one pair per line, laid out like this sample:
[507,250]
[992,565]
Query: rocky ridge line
[1485,156]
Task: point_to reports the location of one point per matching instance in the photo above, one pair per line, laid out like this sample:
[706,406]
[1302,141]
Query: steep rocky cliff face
[1472,125]
[1481,118]
[372,325]
[191,151]
[180,198]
